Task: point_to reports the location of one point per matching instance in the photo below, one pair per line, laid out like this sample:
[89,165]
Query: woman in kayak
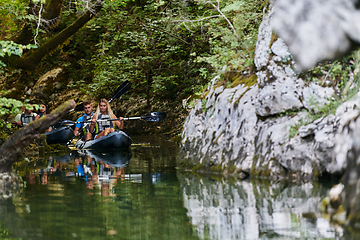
[104,112]
[42,112]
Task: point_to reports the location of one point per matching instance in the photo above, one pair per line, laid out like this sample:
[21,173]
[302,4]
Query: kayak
[59,135]
[114,140]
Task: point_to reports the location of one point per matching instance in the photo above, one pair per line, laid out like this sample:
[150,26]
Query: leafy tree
[139,43]
[231,27]
[46,15]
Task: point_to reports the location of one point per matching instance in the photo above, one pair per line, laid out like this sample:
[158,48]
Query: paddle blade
[78,108]
[122,89]
[66,122]
[63,123]
[154,117]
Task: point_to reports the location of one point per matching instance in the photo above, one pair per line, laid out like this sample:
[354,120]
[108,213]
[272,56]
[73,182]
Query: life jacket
[87,125]
[26,119]
[101,126]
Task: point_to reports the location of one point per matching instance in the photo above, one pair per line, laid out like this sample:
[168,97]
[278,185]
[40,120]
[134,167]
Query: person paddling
[88,109]
[103,112]
[26,117]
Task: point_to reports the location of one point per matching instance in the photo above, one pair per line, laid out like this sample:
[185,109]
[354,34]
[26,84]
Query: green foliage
[293,130]
[167,50]
[138,42]
[5,233]
[342,74]
[327,109]
[8,48]
[12,14]
[231,27]
[333,73]
[11,48]
[9,106]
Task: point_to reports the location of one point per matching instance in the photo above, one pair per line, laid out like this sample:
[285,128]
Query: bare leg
[105,132]
[88,136]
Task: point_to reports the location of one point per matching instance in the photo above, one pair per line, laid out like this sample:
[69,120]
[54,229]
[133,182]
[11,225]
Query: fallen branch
[13,147]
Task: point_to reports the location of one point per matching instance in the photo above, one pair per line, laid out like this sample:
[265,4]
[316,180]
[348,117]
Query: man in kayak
[26,117]
[104,112]
[84,127]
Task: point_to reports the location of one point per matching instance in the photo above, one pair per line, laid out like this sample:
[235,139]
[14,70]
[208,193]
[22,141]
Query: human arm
[120,123]
[76,131]
[93,124]
[17,120]
[36,117]
[78,126]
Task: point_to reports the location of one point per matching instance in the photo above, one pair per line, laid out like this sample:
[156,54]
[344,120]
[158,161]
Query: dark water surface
[140,195]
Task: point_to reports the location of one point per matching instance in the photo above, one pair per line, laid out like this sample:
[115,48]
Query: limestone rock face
[248,128]
[251,129]
[317,30]
[228,113]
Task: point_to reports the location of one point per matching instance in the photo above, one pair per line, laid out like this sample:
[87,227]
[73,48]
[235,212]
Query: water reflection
[140,195]
[225,209]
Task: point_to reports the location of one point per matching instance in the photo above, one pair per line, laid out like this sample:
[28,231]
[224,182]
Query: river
[140,195]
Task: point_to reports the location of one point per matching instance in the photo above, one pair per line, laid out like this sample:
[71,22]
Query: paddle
[64,122]
[121,90]
[150,117]
[78,108]
[81,133]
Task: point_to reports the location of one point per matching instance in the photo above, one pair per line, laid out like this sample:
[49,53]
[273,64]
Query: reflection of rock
[253,210]
[10,185]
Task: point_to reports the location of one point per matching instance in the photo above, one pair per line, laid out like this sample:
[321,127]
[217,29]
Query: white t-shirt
[27,118]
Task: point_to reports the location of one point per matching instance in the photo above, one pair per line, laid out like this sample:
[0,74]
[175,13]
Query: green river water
[140,195]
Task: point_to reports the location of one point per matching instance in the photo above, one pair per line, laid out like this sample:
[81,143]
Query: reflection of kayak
[59,135]
[115,158]
[114,140]
[67,157]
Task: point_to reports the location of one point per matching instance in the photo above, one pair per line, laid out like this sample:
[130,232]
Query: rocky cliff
[247,128]
[269,127]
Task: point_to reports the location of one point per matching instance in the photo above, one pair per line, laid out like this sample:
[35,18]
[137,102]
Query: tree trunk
[13,147]
[51,13]
[30,62]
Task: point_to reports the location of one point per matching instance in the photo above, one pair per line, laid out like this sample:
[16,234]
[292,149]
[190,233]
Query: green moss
[219,136]
[274,37]
[236,103]
[216,168]
[231,168]
[264,171]
[248,81]
[185,163]
[316,173]
[198,167]
[217,177]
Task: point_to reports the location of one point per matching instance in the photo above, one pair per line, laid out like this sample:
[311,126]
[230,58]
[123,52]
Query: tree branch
[30,62]
[13,147]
